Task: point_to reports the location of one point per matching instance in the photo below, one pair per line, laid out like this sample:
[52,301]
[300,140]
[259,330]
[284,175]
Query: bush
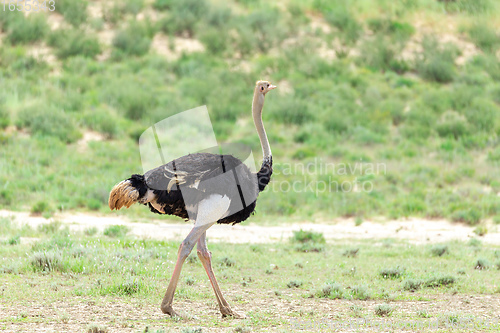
[27,30]
[439,281]
[331,290]
[45,120]
[438,250]
[469,6]
[470,216]
[481,230]
[41,207]
[302,236]
[294,284]
[227,262]
[412,285]
[4,117]
[183,16]
[115,231]
[46,261]
[484,36]
[482,115]
[341,17]
[73,42]
[102,120]
[481,264]
[134,40]
[291,111]
[359,292]
[50,228]
[383,310]
[74,11]
[380,54]
[163,4]
[452,124]
[437,63]
[392,273]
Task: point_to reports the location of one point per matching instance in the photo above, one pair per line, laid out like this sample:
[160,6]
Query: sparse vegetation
[116,231]
[383,310]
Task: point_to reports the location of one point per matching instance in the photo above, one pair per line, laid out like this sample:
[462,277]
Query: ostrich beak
[271,87]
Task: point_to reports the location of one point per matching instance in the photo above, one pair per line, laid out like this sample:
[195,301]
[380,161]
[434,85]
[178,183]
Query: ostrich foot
[227,312]
[167,309]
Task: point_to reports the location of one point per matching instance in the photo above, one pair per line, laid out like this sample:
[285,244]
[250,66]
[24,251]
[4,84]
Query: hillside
[383,109]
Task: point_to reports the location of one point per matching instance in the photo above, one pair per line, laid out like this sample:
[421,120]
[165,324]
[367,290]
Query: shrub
[73,42]
[116,231]
[341,17]
[351,253]
[392,273]
[482,115]
[437,63]
[227,262]
[438,250]
[484,36]
[90,231]
[380,54]
[50,228]
[102,120]
[359,292]
[183,16]
[452,124]
[14,240]
[439,281]
[470,216]
[4,117]
[46,261]
[41,207]
[163,4]
[129,288]
[331,290]
[383,310]
[294,284]
[302,236]
[481,230]
[481,264]
[134,40]
[469,6]
[74,11]
[43,120]
[412,285]
[27,30]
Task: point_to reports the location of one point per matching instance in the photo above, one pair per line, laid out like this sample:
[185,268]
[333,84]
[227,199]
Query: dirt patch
[88,136]
[413,230]
[266,313]
[174,48]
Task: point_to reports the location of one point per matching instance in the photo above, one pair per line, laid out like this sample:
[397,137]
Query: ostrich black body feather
[181,184]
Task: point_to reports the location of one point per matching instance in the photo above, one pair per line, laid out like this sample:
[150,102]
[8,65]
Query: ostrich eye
[268,85]
[262,88]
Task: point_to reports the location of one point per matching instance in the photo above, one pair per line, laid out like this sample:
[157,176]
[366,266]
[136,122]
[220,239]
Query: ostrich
[166,188]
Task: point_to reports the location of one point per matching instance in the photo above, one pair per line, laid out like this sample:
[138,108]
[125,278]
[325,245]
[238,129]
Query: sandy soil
[414,230]
[288,315]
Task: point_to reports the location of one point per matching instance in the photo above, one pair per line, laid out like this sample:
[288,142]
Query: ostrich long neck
[257,105]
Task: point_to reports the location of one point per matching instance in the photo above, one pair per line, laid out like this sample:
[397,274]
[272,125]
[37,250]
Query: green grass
[95,269]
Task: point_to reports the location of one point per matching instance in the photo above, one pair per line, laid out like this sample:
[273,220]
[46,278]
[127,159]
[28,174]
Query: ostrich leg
[205,258]
[210,210]
[184,250]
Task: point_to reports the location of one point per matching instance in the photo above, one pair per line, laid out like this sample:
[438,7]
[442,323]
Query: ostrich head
[263,87]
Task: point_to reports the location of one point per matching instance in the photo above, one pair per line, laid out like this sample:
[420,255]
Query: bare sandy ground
[417,231]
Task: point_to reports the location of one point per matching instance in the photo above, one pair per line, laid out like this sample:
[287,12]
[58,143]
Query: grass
[133,271]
